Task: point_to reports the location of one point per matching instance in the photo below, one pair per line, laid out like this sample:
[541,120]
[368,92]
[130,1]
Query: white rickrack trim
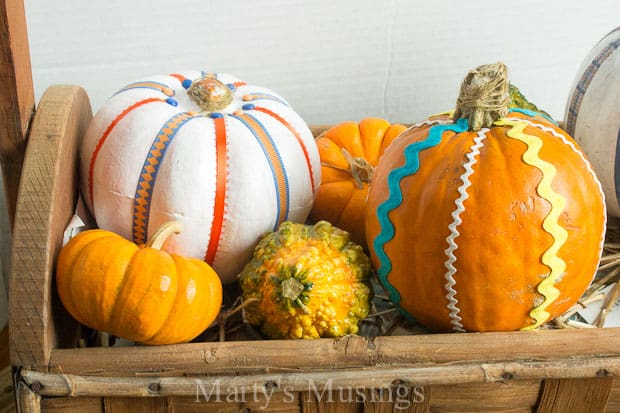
[431,122]
[452,305]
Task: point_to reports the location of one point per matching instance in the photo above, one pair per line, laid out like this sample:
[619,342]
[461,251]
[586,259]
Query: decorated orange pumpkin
[349,153]
[228,159]
[487,220]
[139,293]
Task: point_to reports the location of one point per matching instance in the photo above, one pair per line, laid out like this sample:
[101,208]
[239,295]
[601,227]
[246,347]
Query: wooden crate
[565,370]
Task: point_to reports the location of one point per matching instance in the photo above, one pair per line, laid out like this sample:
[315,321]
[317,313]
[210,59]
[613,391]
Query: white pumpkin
[592,114]
[227,159]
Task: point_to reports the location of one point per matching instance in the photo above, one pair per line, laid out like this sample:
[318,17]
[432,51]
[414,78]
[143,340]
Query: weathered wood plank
[27,400]
[297,355]
[235,402]
[7,395]
[48,195]
[329,402]
[399,398]
[133,405]
[506,397]
[613,403]
[16,96]
[5,360]
[375,377]
[72,404]
[575,395]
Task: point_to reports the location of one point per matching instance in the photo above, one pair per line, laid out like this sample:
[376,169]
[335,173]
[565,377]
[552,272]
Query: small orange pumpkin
[488,220]
[139,293]
[349,153]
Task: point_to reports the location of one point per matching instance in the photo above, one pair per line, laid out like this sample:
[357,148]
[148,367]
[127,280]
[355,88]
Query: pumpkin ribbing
[349,152]
[175,147]
[138,293]
[503,226]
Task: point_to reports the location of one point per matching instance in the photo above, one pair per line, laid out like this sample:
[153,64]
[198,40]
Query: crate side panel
[71,404]
[249,400]
[213,358]
[48,193]
[613,403]
[510,396]
[135,404]
[575,395]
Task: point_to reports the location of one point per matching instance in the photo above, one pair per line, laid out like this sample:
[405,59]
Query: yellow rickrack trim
[550,223]
[448,113]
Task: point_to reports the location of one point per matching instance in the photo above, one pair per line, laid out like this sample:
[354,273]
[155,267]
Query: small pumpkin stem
[210,94]
[163,233]
[361,169]
[484,96]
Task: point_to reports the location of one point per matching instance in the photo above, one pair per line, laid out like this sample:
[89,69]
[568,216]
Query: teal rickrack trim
[395,198]
[532,114]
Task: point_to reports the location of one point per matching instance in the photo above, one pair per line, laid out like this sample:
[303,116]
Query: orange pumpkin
[139,293]
[494,229]
[349,153]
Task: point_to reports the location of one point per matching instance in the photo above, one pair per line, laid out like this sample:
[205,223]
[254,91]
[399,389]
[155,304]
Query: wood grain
[370,378]
[72,404]
[613,403]
[575,395]
[405,399]
[7,395]
[280,402]
[132,405]
[48,195]
[4,348]
[16,96]
[7,402]
[512,396]
[329,402]
[27,400]
[360,352]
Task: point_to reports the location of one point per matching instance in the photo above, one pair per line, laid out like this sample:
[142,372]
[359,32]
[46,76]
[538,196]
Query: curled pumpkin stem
[484,96]
[163,233]
[360,168]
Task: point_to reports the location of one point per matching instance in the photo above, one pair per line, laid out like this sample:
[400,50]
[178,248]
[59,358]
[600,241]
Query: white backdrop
[333,60]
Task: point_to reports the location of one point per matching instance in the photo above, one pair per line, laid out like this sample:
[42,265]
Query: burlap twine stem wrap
[484,96]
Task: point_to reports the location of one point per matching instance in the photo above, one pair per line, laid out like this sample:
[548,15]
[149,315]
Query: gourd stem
[484,96]
[292,288]
[360,168]
[163,233]
[210,94]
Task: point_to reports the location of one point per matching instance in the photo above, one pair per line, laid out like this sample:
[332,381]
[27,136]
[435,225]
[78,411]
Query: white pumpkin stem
[484,96]
[210,94]
[163,233]
[360,168]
